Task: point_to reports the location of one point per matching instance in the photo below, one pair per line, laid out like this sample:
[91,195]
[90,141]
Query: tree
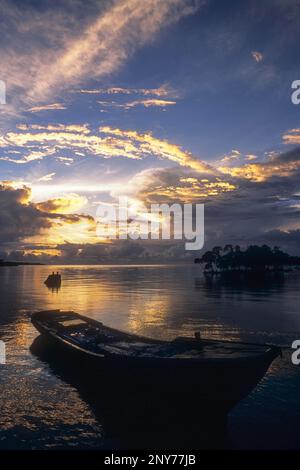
[254,259]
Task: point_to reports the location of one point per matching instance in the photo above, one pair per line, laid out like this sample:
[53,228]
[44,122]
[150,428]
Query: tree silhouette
[252,259]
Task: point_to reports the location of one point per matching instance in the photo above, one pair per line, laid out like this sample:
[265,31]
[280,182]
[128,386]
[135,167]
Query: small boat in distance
[53,280]
[187,371]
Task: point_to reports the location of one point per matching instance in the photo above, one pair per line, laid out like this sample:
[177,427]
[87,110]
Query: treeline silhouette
[18,263]
[252,259]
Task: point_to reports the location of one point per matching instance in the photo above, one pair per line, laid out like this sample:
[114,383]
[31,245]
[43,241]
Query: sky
[161,101]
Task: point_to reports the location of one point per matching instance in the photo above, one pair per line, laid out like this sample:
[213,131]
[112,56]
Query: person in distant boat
[53,279]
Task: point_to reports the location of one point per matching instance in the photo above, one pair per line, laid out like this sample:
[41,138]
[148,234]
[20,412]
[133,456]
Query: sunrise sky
[157,100]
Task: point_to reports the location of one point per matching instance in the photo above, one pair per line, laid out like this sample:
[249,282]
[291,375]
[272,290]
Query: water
[41,410]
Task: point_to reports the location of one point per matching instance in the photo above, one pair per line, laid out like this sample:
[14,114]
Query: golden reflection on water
[155,301]
[148,312]
[159,300]
[23,334]
[34,397]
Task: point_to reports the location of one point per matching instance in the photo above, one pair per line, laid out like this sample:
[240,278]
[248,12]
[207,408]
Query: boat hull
[205,385]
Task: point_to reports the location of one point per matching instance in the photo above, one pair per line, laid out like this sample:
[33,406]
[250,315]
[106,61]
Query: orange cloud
[48,222]
[67,204]
[279,165]
[174,184]
[150,145]
[113,143]
[292,136]
[190,192]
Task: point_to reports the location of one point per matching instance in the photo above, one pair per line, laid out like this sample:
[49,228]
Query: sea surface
[39,409]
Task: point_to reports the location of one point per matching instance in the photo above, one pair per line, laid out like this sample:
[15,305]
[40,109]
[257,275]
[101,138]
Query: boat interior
[93,336]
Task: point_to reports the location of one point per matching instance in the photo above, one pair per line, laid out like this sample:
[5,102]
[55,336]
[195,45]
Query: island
[253,259]
[18,263]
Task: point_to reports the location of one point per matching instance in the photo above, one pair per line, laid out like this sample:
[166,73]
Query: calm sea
[39,409]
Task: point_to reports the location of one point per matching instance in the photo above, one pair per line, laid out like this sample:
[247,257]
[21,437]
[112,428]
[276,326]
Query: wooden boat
[53,280]
[191,371]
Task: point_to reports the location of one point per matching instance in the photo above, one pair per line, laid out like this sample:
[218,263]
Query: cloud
[113,142]
[68,204]
[238,210]
[279,165]
[149,103]
[48,143]
[133,104]
[147,144]
[48,177]
[251,157]
[19,218]
[232,156]
[292,136]
[161,92]
[80,128]
[65,160]
[168,185]
[287,239]
[257,56]
[47,107]
[50,222]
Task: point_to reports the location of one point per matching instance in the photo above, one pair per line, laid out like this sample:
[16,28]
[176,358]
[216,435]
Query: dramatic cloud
[48,140]
[282,165]
[50,222]
[68,204]
[161,185]
[147,144]
[19,218]
[238,209]
[77,57]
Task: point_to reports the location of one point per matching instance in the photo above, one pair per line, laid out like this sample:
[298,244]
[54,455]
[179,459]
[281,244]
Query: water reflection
[266,283]
[134,417]
[54,290]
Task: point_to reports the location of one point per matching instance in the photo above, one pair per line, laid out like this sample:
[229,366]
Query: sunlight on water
[40,410]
